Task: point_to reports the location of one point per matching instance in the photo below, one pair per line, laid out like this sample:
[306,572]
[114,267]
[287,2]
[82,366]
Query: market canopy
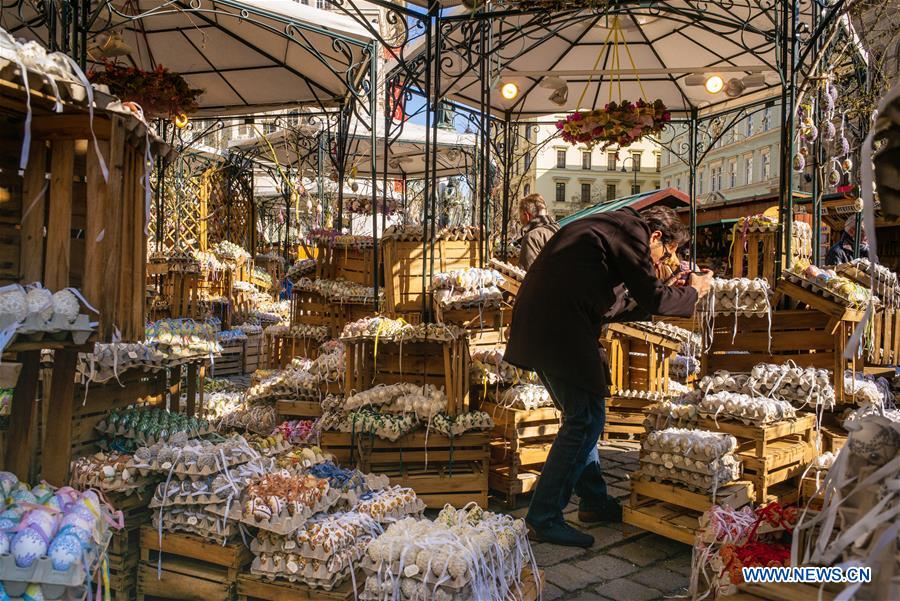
[652,54]
[667,197]
[249,56]
[406,149]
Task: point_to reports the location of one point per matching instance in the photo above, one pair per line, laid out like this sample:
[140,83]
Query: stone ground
[625,563]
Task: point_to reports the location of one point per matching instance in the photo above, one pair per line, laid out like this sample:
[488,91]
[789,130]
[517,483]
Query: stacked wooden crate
[254,353]
[124,547]
[230,362]
[638,363]
[187,567]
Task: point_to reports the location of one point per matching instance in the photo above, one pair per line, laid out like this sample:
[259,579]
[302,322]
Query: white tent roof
[658,48]
[248,55]
[267,187]
[406,153]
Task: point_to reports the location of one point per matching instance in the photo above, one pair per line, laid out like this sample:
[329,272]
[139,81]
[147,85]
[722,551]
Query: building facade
[743,163]
[572,177]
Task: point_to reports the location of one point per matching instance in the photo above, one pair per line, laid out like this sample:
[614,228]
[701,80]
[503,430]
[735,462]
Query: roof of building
[669,197]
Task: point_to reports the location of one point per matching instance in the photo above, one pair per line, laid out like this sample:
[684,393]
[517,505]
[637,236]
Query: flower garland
[621,123]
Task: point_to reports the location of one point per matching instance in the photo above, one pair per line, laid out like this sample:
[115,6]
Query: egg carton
[724,463]
[305,550]
[212,527]
[729,417]
[317,578]
[54,583]
[692,486]
[485,304]
[150,440]
[115,485]
[57,329]
[420,590]
[283,523]
[280,447]
[721,475]
[826,293]
[191,470]
[412,572]
[69,89]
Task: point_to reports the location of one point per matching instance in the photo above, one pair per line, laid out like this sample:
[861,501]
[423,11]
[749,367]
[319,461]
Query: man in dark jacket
[537,228]
[842,251]
[573,287]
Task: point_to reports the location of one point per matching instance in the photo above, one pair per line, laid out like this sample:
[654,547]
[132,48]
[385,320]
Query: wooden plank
[234,555]
[22,424]
[185,580]
[31,245]
[109,299]
[96,209]
[139,249]
[59,223]
[734,495]
[676,523]
[55,453]
[256,588]
[191,406]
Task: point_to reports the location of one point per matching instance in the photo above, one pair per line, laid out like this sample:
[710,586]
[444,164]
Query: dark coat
[534,236]
[574,286]
[842,251]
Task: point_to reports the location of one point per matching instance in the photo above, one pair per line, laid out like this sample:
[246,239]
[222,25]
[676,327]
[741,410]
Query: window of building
[635,188]
[635,161]
[658,162]
[561,191]
[748,169]
[749,126]
[668,183]
[732,174]
[527,189]
[715,182]
[528,133]
[700,182]
[678,183]
[767,118]
[586,159]
[527,160]
[611,161]
[611,192]
[585,193]
[765,165]
[561,159]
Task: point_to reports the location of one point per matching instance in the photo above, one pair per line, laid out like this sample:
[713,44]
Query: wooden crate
[124,547]
[192,567]
[443,364]
[833,438]
[664,519]
[251,587]
[809,338]
[885,337]
[253,353]
[638,360]
[803,426]
[231,360]
[407,272]
[182,292]
[645,491]
[521,441]
[485,328]
[785,591]
[299,409]
[311,308]
[440,469]
[783,459]
[280,350]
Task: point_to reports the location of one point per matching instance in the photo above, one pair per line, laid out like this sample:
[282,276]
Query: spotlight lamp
[714,84]
[509,90]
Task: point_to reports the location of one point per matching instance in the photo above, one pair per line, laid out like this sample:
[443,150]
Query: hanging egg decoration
[799,162]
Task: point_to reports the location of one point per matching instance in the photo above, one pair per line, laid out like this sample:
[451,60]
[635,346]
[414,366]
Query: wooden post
[20,439]
[191,388]
[57,447]
[201,374]
[31,248]
[94,236]
[59,224]
[112,221]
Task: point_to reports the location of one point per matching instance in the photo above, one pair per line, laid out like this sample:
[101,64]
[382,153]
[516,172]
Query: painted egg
[80,533]
[78,520]
[4,546]
[22,495]
[27,546]
[64,551]
[47,522]
[82,512]
[13,514]
[42,492]
[34,592]
[8,481]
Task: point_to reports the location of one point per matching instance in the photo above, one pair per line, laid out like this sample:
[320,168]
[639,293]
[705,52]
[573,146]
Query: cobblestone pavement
[625,563]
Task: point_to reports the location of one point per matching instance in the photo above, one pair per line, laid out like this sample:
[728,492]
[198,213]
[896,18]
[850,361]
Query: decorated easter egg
[13,514]
[4,544]
[82,534]
[46,521]
[42,492]
[22,495]
[78,520]
[4,596]
[8,481]
[34,592]
[27,546]
[65,551]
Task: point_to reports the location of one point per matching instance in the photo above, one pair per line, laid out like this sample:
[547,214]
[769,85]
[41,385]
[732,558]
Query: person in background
[537,228]
[842,251]
[571,290]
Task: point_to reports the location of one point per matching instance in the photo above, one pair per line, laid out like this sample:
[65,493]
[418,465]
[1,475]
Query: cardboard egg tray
[55,584]
[283,523]
[105,428]
[315,576]
[826,293]
[191,470]
[56,329]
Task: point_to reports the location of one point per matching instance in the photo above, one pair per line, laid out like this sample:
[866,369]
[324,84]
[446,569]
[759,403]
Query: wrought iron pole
[507,175]
[692,180]
[427,187]
[435,128]
[373,143]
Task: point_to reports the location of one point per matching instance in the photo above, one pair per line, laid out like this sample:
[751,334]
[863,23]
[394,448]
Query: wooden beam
[31,247]
[22,427]
[59,224]
[57,447]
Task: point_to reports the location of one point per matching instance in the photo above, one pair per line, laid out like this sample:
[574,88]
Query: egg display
[468,287]
[65,551]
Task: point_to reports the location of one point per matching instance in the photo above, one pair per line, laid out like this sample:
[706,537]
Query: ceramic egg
[82,513]
[27,546]
[81,533]
[22,495]
[34,592]
[65,551]
[13,514]
[47,522]
[42,492]
[4,545]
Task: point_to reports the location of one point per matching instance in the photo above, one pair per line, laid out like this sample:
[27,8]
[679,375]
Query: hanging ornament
[847,164]
[834,176]
[829,131]
[804,151]
[799,162]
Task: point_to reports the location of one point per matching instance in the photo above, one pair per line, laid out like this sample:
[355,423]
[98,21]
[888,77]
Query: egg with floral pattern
[82,534]
[42,492]
[65,551]
[8,482]
[27,546]
[4,546]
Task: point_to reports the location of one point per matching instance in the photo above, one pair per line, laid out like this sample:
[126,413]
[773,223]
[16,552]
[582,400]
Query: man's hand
[702,282]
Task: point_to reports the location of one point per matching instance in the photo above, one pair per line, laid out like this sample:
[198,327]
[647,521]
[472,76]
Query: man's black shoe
[610,511]
[561,534]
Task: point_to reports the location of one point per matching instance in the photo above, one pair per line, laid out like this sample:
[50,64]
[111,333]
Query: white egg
[65,551]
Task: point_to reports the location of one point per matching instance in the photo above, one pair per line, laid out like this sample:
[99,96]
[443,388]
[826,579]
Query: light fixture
[714,84]
[181,120]
[734,88]
[509,90]
[560,89]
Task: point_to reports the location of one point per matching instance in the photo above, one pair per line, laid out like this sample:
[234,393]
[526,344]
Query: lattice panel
[231,212]
[184,202]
